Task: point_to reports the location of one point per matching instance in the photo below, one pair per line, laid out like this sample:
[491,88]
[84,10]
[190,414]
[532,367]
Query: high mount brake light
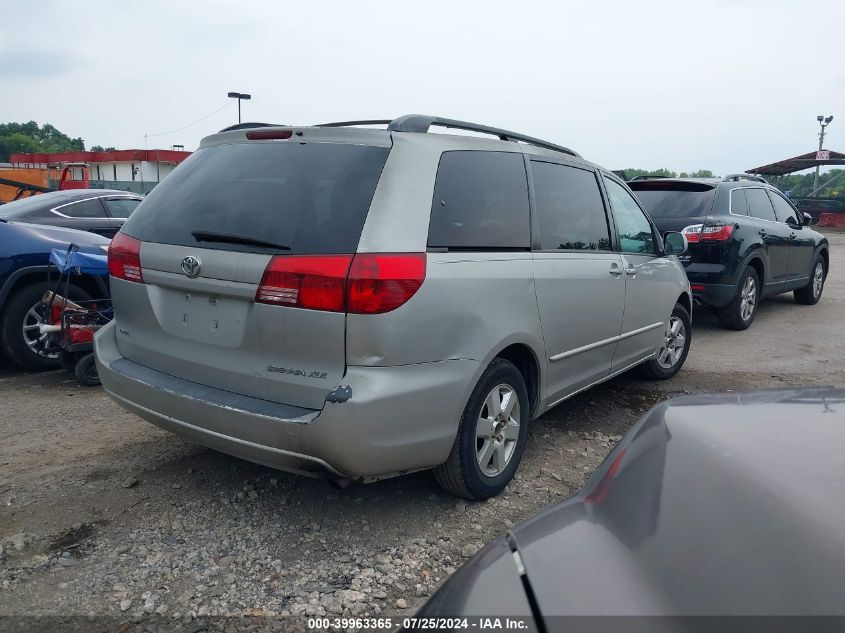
[125,258]
[265,135]
[367,283]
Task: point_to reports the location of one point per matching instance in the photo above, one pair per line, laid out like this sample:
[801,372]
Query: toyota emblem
[191,266]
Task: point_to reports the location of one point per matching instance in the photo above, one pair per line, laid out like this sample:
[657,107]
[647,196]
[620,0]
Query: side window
[85,209]
[783,209]
[569,206]
[480,202]
[739,206]
[121,207]
[635,234]
[759,205]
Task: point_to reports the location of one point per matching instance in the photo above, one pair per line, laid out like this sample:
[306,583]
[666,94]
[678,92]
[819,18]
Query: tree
[100,148]
[631,173]
[30,137]
[702,173]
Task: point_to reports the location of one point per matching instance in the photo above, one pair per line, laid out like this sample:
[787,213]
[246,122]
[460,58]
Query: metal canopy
[800,163]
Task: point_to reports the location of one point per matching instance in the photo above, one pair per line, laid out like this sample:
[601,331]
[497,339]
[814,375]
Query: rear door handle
[631,271]
[762,233]
[792,236]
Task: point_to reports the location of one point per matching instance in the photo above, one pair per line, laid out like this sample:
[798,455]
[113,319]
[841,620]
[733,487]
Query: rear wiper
[236,238]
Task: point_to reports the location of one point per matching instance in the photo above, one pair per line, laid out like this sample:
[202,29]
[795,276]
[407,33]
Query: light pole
[240,96]
[823,123]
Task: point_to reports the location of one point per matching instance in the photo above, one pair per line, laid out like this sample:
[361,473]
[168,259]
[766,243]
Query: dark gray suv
[361,303]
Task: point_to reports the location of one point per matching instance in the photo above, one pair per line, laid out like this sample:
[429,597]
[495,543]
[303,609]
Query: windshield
[675,200]
[310,197]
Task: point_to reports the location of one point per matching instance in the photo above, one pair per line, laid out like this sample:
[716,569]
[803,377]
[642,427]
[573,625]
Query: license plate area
[200,316]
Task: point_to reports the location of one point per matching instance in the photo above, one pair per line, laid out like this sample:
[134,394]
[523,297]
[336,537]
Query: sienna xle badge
[361,303]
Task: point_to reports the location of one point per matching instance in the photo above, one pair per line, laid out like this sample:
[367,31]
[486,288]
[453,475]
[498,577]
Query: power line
[185,127]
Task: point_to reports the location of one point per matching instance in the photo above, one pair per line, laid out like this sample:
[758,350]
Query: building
[137,170]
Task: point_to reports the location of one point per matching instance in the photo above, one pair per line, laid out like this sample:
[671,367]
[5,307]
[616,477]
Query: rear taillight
[692,233]
[708,233]
[381,282]
[368,283]
[315,282]
[717,232]
[125,258]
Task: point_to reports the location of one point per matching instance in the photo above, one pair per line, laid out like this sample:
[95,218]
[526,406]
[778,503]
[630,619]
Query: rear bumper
[716,295]
[396,419]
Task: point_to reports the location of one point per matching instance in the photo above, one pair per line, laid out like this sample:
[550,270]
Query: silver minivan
[360,303]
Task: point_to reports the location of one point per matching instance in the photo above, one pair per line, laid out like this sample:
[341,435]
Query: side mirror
[807,218]
[675,243]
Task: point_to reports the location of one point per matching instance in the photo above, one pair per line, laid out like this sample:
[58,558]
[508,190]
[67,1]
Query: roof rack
[351,123]
[734,177]
[421,123]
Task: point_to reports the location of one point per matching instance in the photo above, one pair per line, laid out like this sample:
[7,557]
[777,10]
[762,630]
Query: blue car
[24,256]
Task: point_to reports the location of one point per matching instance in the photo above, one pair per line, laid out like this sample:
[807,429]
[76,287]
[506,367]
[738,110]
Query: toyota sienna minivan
[359,303]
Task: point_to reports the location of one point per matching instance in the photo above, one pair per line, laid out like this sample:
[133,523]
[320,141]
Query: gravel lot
[103,514]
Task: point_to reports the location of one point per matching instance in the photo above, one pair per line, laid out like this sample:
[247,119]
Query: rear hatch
[205,307]
[678,205]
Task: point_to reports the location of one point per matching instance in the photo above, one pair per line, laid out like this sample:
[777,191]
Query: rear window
[480,202]
[674,200]
[310,197]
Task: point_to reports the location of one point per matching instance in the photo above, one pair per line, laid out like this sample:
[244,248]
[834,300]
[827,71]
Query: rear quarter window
[310,197]
[480,202]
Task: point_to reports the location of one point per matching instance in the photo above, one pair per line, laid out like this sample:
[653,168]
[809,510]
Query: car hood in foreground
[711,505]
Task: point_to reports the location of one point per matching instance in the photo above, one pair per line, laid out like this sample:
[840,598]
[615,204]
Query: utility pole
[823,123]
[240,96]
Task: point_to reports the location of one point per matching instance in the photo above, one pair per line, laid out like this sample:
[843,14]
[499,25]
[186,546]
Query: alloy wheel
[818,279]
[31,331]
[497,430]
[675,340]
[748,299]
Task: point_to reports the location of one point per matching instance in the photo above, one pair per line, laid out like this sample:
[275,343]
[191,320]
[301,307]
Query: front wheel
[812,292]
[672,353]
[491,435]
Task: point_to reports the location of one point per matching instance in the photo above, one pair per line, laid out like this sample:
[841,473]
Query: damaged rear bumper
[380,421]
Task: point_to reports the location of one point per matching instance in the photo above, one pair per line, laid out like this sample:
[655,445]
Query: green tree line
[33,138]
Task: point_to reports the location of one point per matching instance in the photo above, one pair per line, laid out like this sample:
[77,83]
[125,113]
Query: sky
[725,85]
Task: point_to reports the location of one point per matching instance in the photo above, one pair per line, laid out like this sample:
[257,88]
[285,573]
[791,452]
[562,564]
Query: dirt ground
[103,514]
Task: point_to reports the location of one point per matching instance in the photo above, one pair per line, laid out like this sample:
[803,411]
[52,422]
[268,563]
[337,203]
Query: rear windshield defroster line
[301,198]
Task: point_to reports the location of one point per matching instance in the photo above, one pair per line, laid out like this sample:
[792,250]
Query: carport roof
[799,163]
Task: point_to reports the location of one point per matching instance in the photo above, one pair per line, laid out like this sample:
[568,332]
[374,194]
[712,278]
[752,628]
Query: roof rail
[421,123]
[246,126]
[734,177]
[644,177]
[351,123]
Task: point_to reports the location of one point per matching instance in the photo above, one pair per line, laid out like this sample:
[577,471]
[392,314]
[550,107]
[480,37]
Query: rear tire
[491,436]
[740,312]
[811,293]
[86,371]
[673,353]
[19,313]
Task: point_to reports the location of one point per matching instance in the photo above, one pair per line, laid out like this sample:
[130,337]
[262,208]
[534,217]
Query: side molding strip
[607,341]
